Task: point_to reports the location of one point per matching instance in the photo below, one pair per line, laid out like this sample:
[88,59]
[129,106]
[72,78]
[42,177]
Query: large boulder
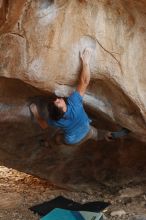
[40,43]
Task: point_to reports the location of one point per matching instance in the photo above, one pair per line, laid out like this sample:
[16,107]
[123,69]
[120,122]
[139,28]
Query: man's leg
[96,135]
[99,134]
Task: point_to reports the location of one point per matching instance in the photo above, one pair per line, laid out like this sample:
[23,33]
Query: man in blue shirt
[70,115]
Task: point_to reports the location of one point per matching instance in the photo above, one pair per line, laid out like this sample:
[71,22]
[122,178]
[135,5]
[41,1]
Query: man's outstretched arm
[85,73]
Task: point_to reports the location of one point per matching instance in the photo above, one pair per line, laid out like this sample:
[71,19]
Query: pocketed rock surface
[41,40]
[19,191]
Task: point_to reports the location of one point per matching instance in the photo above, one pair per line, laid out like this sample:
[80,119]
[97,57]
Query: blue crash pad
[63,214]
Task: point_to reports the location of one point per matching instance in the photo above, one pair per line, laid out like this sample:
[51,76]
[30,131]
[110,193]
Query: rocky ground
[19,191]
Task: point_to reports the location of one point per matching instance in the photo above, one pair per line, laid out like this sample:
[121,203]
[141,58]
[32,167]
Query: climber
[70,115]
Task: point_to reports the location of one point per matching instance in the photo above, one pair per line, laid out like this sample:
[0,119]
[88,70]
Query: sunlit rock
[40,43]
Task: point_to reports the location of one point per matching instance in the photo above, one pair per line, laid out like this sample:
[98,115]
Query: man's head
[57,108]
[60,103]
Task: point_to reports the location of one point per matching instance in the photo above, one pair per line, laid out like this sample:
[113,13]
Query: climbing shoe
[121,133]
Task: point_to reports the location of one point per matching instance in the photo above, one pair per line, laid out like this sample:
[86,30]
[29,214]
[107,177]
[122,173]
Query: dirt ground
[19,191]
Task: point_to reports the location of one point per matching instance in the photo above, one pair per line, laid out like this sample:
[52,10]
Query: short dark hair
[55,113]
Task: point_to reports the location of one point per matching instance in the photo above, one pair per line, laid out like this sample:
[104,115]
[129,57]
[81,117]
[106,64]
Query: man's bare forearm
[85,74]
[84,79]
[43,124]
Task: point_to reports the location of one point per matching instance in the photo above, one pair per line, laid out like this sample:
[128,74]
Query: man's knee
[59,139]
[94,133]
[98,134]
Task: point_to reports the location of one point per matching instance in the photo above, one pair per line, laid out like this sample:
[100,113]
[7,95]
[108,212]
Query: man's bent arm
[42,123]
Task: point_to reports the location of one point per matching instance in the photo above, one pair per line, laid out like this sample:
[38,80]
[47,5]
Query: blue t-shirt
[75,122]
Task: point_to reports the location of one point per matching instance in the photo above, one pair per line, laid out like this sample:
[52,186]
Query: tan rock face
[40,43]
